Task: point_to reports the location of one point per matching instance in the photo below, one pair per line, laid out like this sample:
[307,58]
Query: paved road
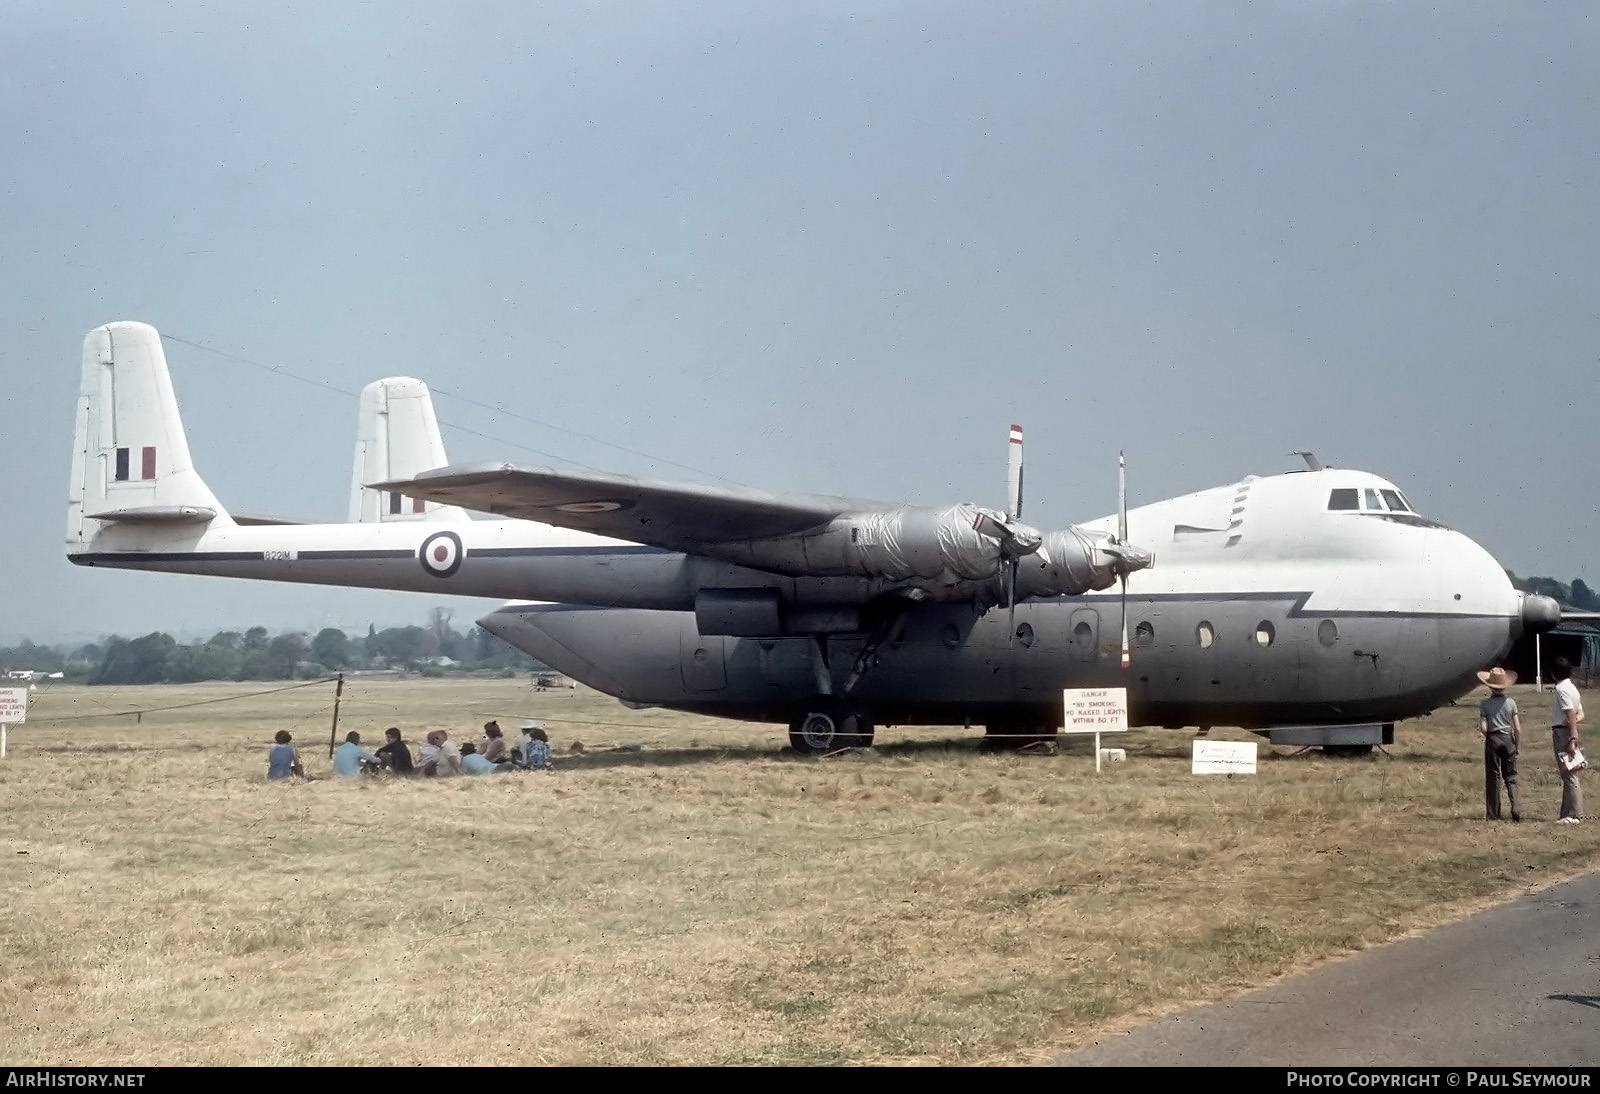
[1517,984]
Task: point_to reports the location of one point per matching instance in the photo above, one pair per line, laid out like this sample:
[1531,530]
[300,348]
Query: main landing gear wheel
[829,724]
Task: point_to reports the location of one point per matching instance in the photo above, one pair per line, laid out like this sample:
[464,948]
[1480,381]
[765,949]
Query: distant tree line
[157,658]
[1576,595]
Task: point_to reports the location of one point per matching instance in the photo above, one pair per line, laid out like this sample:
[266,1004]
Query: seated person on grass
[535,747]
[439,757]
[394,754]
[493,747]
[350,759]
[283,759]
[474,764]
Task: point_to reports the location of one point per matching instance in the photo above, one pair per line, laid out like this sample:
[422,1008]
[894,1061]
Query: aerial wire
[279,370]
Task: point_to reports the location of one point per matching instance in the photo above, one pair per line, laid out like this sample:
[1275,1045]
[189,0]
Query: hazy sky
[821,247]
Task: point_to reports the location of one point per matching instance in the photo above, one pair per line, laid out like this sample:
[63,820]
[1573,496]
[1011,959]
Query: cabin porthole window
[1327,632]
[1025,634]
[1205,634]
[1083,636]
[1265,633]
[1144,635]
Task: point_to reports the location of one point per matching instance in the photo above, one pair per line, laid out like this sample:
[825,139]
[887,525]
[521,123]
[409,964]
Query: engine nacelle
[925,547]
[942,551]
[1070,562]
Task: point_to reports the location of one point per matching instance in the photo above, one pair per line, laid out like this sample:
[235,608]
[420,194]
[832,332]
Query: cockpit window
[1387,502]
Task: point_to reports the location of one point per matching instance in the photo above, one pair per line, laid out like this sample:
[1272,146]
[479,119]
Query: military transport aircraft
[1318,598]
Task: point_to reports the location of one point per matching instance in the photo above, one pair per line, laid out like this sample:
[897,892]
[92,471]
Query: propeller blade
[1014,517]
[1125,658]
[1011,602]
[1014,476]
[1122,498]
[1122,538]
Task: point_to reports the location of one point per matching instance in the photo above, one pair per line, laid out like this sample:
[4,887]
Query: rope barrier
[140,712]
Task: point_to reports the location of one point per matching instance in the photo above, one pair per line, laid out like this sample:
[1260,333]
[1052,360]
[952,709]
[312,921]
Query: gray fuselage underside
[954,666]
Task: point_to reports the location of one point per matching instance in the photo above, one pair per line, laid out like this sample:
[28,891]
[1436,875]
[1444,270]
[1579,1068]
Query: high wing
[918,549]
[671,515]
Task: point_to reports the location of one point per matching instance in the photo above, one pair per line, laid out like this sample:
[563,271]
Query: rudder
[130,459]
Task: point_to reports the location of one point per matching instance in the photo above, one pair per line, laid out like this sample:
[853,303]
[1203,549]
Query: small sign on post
[1223,758]
[13,708]
[1097,711]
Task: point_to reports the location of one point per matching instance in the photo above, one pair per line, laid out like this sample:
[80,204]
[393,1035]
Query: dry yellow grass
[688,891]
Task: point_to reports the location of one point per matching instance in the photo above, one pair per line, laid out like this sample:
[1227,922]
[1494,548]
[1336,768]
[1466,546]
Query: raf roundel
[441,554]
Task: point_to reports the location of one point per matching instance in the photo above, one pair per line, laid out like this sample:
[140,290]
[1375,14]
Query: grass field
[687,891]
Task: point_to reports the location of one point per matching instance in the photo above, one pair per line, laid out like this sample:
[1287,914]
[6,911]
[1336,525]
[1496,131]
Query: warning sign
[13,704]
[1095,710]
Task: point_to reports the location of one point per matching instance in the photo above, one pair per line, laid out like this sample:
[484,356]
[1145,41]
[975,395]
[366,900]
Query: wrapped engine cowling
[1070,562]
[940,545]
[943,551]
[934,548]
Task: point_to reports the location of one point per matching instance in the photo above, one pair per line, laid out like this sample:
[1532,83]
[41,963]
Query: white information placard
[1095,710]
[1223,758]
[13,704]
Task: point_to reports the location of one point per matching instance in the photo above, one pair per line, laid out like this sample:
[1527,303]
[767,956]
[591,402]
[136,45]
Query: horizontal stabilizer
[157,514]
[245,519]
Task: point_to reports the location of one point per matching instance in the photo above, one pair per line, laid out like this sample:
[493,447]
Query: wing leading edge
[671,515]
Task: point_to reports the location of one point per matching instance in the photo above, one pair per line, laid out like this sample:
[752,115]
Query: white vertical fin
[130,458]
[397,437]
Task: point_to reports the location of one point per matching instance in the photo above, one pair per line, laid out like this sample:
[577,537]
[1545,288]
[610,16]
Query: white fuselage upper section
[1280,534]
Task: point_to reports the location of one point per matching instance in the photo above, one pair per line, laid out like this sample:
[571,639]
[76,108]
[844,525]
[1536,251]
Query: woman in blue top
[283,759]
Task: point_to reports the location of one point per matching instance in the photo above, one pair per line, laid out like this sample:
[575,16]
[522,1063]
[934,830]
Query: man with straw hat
[1501,727]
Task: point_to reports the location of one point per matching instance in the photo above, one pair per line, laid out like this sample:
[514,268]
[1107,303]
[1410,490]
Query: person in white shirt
[439,757]
[1566,712]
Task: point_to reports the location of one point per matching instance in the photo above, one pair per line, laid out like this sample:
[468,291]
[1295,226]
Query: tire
[858,728]
[829,724]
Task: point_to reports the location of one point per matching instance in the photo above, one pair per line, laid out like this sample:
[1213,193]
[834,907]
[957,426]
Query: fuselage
[1266,607]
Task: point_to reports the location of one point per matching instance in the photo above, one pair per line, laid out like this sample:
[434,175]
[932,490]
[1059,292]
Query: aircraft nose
[1539,614]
